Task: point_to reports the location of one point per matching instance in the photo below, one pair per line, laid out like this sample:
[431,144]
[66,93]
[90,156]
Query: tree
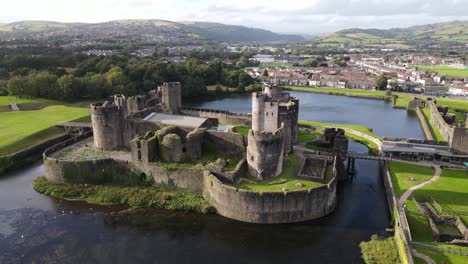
[265,73]
[310,63]
[381,82]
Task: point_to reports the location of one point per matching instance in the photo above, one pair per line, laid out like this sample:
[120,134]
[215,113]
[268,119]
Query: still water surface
[36,228]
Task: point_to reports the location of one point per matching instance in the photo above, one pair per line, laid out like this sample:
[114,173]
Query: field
[444,70]
[403,173]
[26,104]
[23,129]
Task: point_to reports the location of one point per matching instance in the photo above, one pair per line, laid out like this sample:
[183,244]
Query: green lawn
[402,172]
[450,190]
[26,128]
[444,70]
[434,130]
[359,128]
[441,258]
[287,174]
[243,130]
[370,144]
[26,104]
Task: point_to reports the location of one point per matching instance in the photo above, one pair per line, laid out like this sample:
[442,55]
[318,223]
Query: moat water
[39,229]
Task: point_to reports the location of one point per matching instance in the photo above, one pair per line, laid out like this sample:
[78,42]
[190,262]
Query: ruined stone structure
[171,97]
[271,109]
[151,139]
[415,103]
[273,133]
[107,121]
[169,144]
[456,135]
[265,153]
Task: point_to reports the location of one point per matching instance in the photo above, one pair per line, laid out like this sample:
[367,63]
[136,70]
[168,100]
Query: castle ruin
[274,131]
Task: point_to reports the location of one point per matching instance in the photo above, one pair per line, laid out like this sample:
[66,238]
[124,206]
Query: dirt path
[422,256]
[408,192]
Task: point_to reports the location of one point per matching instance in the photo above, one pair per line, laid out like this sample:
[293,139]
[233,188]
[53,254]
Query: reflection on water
[376,114]
[36,228]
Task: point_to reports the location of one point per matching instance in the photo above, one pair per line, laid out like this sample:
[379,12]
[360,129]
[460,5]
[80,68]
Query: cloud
[297,16]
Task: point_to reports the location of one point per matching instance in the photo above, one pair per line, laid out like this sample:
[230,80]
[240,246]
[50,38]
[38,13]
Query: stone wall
[270,207]
[232,144]
[29,155]
[439,122]
[224,117]
[456,136]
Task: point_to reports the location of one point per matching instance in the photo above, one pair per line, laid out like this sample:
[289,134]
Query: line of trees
[100,76]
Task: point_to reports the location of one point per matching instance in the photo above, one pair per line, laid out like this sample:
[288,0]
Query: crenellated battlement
[264,136]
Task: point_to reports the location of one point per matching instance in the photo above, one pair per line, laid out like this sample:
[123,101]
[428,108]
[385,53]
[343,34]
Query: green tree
[381,82]
[310,63]
[265,73]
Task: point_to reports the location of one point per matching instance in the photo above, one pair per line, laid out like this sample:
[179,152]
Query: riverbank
[358,133]
[400,100]
[158,196]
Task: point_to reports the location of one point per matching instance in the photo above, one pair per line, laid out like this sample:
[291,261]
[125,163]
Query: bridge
[75,126]
[365,156]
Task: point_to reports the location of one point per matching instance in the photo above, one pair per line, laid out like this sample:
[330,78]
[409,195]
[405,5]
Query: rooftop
[176,120]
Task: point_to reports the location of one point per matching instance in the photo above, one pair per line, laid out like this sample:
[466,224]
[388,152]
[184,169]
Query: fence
[441,249]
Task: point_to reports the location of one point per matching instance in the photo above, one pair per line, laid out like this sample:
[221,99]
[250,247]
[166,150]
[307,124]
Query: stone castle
[274,131]
[146,136]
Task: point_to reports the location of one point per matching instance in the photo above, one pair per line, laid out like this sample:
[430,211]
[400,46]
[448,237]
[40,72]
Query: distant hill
[449,33]
[152,29]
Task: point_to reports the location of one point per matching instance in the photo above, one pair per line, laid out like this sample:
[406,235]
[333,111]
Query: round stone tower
[258,111]
[265,153]
[107,121]
[171,97]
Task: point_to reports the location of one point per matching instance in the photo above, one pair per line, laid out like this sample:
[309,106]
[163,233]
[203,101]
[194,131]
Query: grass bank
[405,175]
[434,130]
[442,257]
[161,196]
[400,99]
[373,147]
[19,130]
[379,250]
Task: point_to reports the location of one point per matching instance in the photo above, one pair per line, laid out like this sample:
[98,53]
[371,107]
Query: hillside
[143,30]
[441,34]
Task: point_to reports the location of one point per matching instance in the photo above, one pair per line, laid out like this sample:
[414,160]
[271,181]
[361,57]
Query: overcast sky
[293,16]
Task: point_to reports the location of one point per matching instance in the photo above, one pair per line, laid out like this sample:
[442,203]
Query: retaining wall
[29,155]
[270,207]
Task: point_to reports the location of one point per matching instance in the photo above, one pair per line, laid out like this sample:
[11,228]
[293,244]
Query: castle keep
[274,131]
[152,139]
